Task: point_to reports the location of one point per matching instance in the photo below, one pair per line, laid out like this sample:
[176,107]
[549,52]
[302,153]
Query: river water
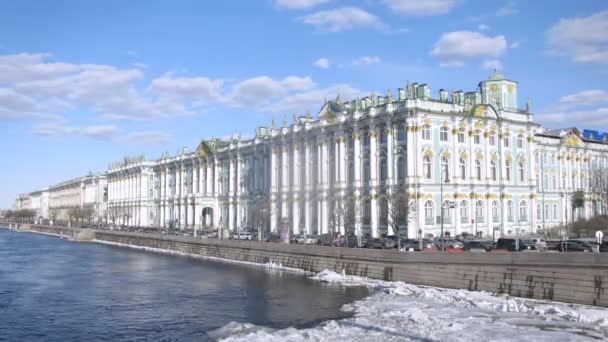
[57,290]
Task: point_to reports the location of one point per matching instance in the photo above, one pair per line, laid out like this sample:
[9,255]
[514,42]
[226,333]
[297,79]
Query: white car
[242,236]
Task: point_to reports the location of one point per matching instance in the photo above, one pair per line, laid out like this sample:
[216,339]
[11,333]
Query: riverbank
[567,277]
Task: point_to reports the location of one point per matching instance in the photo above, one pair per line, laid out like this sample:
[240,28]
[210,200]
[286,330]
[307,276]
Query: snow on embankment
[402,312]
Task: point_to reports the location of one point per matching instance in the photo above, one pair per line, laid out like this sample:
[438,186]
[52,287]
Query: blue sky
[85,83]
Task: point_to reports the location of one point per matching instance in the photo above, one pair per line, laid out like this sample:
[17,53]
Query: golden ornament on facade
[478,156]
[427,121]
[493,88]
[510,87]
[446,154]
[479,111]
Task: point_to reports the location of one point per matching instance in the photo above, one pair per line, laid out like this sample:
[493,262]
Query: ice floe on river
[396,311]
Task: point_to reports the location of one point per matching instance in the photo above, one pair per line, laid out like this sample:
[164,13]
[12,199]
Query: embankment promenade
[566,277]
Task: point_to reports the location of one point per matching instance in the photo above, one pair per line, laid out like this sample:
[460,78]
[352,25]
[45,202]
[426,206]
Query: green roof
[496,76]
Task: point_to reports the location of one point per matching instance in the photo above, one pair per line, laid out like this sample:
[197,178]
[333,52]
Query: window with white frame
[478,169]
[447,213]
[495,216]
[463,168]
[520,141]
[493,173]
[492,139]
[476,138]
[426,132]
[464,211]
[538,213]
[510,211]
[445,167]
[426,167]
[523,210]
[428,212]
[479,211]
[522,171]
[383,170]
[443,134]
[555,212]
[401,166]
[507,140]
[508,170]
[461,133]
[401,133]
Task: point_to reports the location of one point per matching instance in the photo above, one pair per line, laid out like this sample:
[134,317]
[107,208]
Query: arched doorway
[207,217]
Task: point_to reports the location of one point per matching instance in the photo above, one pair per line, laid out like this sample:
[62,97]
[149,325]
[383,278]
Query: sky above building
[86,83]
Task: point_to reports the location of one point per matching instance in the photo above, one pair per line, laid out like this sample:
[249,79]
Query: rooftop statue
[389,95]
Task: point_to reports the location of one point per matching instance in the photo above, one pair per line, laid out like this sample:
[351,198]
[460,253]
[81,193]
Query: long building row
[492,169]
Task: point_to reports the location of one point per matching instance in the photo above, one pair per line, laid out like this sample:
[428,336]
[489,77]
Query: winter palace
[492,169]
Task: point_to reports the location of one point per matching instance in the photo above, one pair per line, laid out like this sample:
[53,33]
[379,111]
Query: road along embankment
[567,277]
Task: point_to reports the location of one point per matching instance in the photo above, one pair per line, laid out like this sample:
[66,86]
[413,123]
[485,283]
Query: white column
[307,179]
[373,150]
[357,157]
[374,218]
[390,151]
[296,186]
[195,169]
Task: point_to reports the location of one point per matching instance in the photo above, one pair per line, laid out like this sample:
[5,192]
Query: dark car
[478,246]
[604,247]
[574,246]
[382,243]
[511,245]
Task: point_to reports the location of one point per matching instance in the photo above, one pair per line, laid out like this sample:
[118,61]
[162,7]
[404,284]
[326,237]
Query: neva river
[56,290]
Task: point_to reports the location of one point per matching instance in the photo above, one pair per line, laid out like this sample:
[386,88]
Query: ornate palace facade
[488,164]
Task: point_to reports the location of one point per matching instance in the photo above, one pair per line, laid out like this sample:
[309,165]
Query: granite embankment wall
[566,277]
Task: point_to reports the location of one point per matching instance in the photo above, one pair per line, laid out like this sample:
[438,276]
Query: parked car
[510,245]
[242,236]
[304,239]
[475,245]
[574,246]
[411,244]
[449,243]
[380,243]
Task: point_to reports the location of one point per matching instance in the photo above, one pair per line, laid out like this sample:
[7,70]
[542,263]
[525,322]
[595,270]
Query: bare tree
[87,213]
[398,212]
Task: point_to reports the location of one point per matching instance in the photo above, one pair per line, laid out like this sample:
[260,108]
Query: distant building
[88,191]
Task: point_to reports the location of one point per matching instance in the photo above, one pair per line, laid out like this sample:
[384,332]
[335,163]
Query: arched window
[507,140]
[522,171]
[555,212]
[428,212]
[510,211]
[520,141]
[445,169]
[547,216]
[495,216]
[464,211]
[443,134]
[492,139]
[493,170]
[383,136]
[538,213]
[476,137]
[383,211]
[401,165]
[401,133]
[461,135]
[426,132]
[383,170]
[367,211]
[508,170]
[554,181]
[426,167]
[479,211]
[447,213]
[478,169]
[366,170]
[523,211]
[463,168]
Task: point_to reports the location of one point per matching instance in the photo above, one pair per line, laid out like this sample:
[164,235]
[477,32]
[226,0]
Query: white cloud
[418,7]
[510,8]
[492,64]
[263,89]
[366,60]
[310,100]
[483,27]
[322,63]
[97,132]
[299,4]
[342,19]
[593,118]
[199,89]
[146,138]
[515,45]
[584,39]
[453,48]
[583,98]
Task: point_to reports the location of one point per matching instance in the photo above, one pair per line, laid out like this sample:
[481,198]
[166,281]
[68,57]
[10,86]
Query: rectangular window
[476,138]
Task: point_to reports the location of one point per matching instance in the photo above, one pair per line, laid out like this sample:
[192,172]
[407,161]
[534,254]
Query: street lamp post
[441,204]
